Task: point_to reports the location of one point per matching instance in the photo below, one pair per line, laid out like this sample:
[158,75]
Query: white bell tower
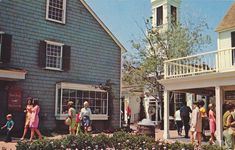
[164,12]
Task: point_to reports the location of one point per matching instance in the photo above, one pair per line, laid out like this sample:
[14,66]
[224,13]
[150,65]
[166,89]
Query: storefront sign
[14,99]
[229,95]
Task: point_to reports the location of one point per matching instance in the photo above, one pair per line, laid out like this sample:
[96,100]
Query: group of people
[32,110]
[198,121]
[80,121]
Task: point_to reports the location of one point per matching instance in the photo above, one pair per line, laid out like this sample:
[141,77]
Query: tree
[142,114]
[146,67]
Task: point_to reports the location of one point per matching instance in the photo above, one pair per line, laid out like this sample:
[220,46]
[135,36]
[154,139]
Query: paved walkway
[158,135]
[8,146]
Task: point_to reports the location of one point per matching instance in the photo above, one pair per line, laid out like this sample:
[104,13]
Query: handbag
[68,121]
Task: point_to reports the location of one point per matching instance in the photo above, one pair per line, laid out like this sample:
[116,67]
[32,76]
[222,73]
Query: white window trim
[64,12]
[75,86]
[57,44]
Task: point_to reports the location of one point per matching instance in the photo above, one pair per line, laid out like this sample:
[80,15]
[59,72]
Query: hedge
[119,140]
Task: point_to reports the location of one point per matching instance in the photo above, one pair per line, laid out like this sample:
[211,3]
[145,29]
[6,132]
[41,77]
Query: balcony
[205,63]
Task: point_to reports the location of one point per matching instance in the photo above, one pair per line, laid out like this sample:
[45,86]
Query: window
[159,16]
[56,10]
[54,55]
[179,99]
[79,93]
[233,45]
[173,15]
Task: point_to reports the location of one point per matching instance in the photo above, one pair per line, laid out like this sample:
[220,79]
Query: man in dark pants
[184,113]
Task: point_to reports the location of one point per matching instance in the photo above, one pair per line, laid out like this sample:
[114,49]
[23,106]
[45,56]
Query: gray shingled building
[55,51]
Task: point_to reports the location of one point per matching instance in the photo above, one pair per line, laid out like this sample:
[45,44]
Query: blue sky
[125,18]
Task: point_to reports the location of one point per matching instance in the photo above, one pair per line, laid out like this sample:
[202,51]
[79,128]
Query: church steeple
[164,12]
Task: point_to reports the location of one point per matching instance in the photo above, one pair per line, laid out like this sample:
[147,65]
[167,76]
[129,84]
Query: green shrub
[119,140]
[212,147]
[101,141]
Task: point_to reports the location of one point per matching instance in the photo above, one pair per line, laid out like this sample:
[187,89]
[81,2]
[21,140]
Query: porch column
[219,115]
[166,134]
[156,112]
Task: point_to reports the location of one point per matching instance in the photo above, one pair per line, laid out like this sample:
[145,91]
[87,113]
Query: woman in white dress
[85,116]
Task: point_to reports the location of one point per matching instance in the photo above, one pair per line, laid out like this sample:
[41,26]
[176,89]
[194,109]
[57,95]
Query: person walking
[85,117]
[178,121]
[202,109]
[27,110]
[184,114]
[212,123]
[72,116]
[128,113]
[34,120]
[9,126]
[196,125]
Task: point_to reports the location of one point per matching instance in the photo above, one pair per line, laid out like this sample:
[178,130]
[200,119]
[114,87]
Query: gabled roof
[103,25]
[228,21]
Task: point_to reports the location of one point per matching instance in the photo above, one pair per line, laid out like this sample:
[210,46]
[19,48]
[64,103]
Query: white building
[210,73]
[164,14]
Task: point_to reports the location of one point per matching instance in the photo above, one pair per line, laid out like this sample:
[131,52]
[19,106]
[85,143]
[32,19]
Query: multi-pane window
[79,93]
[233,45]
[159,16]
[54,55]
[56,10]
[179,98]
[97,100]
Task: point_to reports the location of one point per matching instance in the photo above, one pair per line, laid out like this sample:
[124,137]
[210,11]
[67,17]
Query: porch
[209,74]
[206,63]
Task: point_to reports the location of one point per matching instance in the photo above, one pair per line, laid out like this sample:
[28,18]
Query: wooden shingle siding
[94,56]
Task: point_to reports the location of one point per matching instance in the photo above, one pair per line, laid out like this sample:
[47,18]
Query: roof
[228,21]
[103,25]
[12,74]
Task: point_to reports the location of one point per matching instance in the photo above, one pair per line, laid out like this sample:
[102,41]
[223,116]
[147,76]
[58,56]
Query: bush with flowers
[119,140]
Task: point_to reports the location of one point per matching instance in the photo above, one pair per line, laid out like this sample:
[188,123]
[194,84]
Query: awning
[10,74]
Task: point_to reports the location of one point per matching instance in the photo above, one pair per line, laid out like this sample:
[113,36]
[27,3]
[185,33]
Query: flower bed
[119,140]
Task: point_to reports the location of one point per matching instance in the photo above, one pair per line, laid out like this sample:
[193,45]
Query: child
[9,125]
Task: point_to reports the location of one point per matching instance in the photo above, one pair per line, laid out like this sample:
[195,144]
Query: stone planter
[146,127]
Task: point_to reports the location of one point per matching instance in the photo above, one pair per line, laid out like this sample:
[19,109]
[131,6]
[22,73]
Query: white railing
[215,61]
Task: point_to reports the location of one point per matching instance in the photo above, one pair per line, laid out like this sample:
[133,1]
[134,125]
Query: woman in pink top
[212,123]
[34,120]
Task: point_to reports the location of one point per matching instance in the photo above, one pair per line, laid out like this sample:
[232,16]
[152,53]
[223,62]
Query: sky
[125,18]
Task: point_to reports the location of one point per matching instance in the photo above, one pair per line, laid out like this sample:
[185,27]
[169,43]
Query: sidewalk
[173,135]
[8,146]
[158,135]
